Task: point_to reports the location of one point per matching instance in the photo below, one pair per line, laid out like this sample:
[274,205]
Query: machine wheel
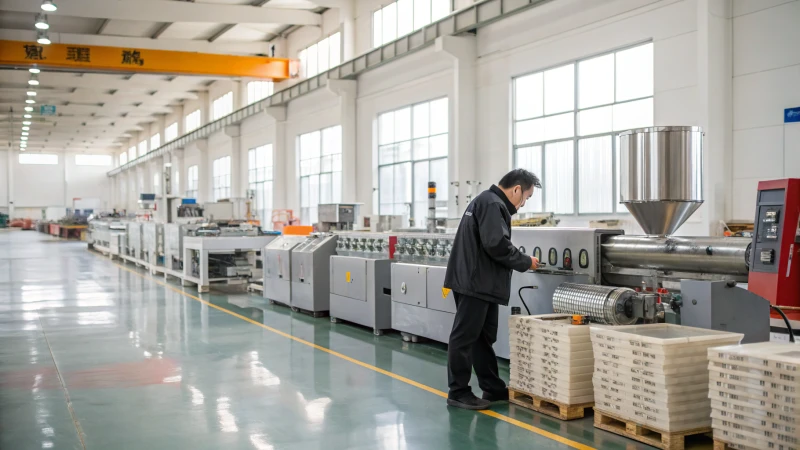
[377,332]
[406,338]
[415,339]
[334,320]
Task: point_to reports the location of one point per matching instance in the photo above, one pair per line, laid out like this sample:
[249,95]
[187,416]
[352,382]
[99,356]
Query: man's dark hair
[520,177]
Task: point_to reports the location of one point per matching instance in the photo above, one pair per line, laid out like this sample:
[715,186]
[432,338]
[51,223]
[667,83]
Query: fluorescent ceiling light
[30,101]
[29,108]
[42,39]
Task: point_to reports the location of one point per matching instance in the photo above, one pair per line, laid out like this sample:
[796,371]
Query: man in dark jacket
[479,273]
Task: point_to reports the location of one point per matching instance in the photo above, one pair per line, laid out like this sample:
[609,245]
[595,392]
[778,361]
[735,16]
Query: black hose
[523,301]
[786,320]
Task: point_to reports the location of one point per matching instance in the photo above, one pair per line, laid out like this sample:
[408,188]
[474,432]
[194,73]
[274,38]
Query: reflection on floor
[99,356]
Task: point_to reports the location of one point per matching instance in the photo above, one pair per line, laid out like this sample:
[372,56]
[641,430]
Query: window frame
[412,161]
[225,108]
[155,141]
[254,98]
[38,159]
[168,132]
[616,207]
[196,113]
[298,155]
[451,6]
[257,186]
[192,181]
[221,191]
[144,144]
[302,56]
[94,159]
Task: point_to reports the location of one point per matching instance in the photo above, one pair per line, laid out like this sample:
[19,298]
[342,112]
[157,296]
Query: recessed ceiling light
[34,81]
[26,122]
[49,6]
[24,138]
[41,22]
[26,128]
[29,108]
[31,93]
[30,101]
[27,116]
[24,133]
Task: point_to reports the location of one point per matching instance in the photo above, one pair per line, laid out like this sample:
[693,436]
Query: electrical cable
[786,320]
[523,301]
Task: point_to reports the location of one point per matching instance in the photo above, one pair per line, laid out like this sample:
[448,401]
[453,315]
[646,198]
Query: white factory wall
[41,186]
[724,65]
[766,75]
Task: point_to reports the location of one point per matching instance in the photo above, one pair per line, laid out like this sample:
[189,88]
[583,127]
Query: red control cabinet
[774,259]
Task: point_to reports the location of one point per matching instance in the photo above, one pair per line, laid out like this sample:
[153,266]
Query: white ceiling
[98,112]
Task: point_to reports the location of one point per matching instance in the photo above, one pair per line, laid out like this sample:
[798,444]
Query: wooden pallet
[552,408]
[644,433]
[722,445]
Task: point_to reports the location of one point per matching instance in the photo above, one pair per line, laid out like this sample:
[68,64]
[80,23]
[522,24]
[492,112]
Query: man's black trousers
[474,332]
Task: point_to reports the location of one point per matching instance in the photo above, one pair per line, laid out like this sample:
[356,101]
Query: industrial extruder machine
[616,279]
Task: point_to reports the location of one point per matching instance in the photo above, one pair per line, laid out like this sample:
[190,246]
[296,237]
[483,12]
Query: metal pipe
[682,254]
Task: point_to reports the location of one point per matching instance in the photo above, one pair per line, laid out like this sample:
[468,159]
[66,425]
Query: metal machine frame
[206,246]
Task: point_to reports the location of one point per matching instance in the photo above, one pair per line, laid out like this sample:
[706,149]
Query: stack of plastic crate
[655,375]
[551,358]
[755,395]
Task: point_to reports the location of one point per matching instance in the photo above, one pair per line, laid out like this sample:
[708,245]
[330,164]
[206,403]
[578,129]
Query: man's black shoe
[496,397]
[470,402]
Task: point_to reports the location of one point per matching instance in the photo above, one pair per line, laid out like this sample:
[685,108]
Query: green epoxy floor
[146,367]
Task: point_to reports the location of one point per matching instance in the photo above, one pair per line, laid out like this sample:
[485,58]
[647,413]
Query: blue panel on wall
[791,115]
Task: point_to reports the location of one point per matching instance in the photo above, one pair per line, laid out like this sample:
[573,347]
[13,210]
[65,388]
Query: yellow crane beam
[91,58]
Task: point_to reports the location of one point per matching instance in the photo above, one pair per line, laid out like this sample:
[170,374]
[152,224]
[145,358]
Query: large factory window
[131,153]
[400,18]
[123,158]
[155,141]
[259,90]
[412,150]
[142,148]
[260,182]
[222,106]
[222,178]
[38,158]
[322,56]
[192,121]
[171,132]
[93,160]
[192,179]
[565,121]
[320,157]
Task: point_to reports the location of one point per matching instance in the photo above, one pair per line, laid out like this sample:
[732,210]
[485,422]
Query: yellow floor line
[496,415]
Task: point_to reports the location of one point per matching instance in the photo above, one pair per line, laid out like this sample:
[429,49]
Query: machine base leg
[377,332]
[334,320]
[272,302]
[295,309]
[203,288]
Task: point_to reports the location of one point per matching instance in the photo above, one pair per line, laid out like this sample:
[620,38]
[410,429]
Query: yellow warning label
[445,292]
[347,277]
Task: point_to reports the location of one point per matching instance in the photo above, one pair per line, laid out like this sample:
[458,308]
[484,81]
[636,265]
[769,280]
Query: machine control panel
[768,228]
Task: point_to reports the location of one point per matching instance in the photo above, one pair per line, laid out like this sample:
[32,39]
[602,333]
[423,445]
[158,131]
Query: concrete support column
[178,174]
[715,89]
[237,187]
[181,119]
[12,155]
[346,90]
[282,158]
[347,15]
[462,157]
[205,187]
